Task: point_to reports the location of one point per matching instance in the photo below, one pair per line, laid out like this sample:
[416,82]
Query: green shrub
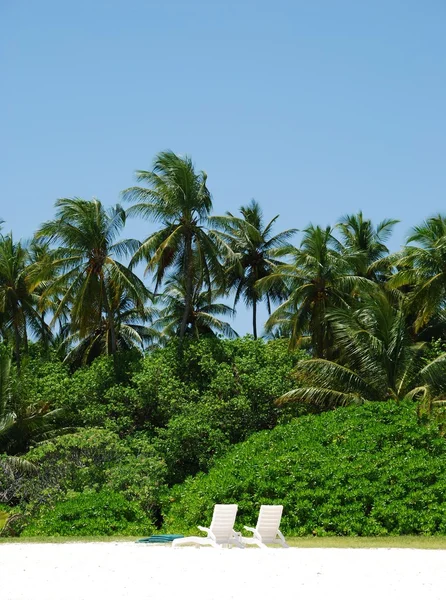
[4,514]
[189,403]
[42,379]
[367,470]
[194,401]
[87,387]
[76,461]
[190,444]
[95,459]
[234,381]
[90,513]
[140,476]
[217,393]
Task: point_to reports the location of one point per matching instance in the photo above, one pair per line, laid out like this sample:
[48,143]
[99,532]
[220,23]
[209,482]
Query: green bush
[86,390]
[150,421]
[42,379]
[76,461]
[95,459]
[194,401]
[217,393]
[140,476]
[190,444]
[367,470]
[238,379]
[4,513]
[90,513]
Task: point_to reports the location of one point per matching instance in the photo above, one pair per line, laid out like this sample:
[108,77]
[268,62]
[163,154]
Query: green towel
[159,539]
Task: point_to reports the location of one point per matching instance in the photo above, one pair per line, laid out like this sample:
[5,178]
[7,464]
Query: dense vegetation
[113,389]
[133,434]
[368,470]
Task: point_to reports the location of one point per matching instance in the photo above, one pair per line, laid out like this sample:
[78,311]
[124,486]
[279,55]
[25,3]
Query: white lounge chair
[267,529]
[221,531]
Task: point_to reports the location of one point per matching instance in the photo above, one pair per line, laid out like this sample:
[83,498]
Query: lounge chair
[267,529]
[220,532]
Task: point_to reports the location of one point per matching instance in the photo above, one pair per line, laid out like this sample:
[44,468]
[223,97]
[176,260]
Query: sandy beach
[127,570]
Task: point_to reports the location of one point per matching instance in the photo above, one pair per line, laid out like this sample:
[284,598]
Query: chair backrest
[269,521]
[223,521]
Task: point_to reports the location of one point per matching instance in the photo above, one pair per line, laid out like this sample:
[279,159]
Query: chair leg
[281,540]
[255,542]
[201,541]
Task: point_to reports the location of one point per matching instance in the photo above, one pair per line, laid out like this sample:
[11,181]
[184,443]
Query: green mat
[159,539]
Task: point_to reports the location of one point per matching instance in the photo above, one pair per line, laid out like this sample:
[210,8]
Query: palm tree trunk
[254,318]
[111,324]
[25,336]
[17,343]
[44,335]
[189,275]
[110,319]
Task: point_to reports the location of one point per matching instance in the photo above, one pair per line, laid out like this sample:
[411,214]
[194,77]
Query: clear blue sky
[314,108]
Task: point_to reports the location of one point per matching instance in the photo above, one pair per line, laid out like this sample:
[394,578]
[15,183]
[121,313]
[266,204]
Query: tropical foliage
[203,316]
[255,250]
[318,278]
[364,245]
[420,270]
[89,279]
[115,387]
[177,197]
[378,360]
[368,470]
[18,298]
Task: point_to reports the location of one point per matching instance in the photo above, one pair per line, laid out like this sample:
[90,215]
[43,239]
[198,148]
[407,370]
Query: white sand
[139,571]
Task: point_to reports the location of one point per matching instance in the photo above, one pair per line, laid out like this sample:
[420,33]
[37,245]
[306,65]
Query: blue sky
[315,109]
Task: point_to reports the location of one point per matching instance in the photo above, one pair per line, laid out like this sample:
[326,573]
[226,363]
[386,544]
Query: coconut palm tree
[87,265]
[18,297]
[21,422]
[7,416]
[364,245]
[378,360]
[203,318]
[421,270]
[318,278]
[8,421]
[40,263]
[177,197]
[253,245]
[132,330]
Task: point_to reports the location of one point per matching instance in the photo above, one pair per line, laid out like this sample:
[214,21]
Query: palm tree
[21,422]
[421,269]
[8,421]
[318,279]
[41,273]
[7,416]
[87,270]
[178,198]
[365,246]
[203,318]
[378,360]
[18,297]
[131,329]
[253,245]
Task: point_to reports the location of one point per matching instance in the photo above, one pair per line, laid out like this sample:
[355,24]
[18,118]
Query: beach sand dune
[82,571]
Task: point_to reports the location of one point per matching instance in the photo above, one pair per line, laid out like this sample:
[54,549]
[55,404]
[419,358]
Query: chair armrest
[205,529]
[249,528]
[209,533]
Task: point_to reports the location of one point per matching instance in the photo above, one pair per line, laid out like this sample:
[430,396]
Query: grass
[67,539]
[405,541]
[420,542]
